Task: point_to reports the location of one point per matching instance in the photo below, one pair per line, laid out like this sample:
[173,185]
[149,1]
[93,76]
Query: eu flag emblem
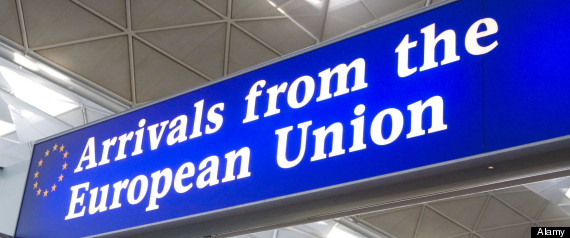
[50,170]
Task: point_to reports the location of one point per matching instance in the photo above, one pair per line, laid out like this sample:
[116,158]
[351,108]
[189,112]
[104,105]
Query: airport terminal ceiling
[120,53]
[101,57]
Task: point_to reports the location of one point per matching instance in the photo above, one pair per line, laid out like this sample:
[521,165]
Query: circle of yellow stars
[56,149]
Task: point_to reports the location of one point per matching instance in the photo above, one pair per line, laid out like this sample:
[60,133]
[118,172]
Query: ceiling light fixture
[53,72]
[333,4]
[24,61]
[38,96]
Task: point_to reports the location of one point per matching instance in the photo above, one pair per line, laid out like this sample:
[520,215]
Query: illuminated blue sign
[453,82]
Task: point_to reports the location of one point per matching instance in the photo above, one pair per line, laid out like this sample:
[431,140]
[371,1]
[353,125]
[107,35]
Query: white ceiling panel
[381,8]
[73,117]
[310,15]
[105,62]
[253,9]
[92,114]
[158,76]
[518,230]
[433,224]
[5,112]
[161,13]
[113,9]
[32,124]
[200,46]
[13,153]
[498,214]
[56,21]
[221,6]
[245,51]
[397,222]
[283,34]
[344,18]
[9,23]
[462,209]
[551,212]
[527,202]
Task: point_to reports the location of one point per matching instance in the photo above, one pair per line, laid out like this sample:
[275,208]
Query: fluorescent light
[6,128]
[23,61]
[32,65]
[53,72]
[333,4]
[336,4]
[316,3]
[39,96]
[272,4]
[567,194]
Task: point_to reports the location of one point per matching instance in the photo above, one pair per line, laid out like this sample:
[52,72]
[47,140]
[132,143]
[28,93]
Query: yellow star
[35,185]
[61,148]
[45,193]
[40,163]
[36,174]
[39,191]
[64,166]
[55,147]
[60,177]
[53,188]
[47,153]
[65,154]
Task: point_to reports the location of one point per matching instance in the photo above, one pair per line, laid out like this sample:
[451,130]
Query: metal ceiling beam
[260,18]
[471,231]
[73,42]
[228,37]
[22,25]
[419,221]
[131,51]
[368,9]
[326,6]
[178,26]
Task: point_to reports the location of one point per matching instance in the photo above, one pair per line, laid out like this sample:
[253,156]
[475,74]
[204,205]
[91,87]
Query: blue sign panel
[439,86]
[527,93]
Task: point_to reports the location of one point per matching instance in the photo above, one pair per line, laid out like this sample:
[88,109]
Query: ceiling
[502,213]
[106,56]
[143,50]
[131,52]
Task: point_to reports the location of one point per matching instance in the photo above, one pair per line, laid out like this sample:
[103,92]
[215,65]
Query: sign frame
[344,192]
